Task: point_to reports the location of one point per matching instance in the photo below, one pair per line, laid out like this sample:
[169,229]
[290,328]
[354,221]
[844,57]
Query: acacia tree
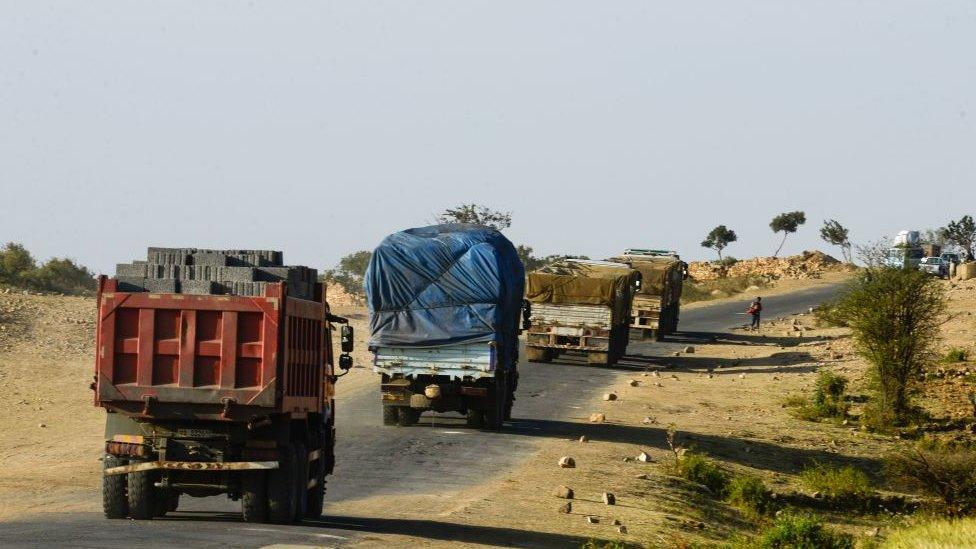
[834,233]
[894,316]
[476,214]
[350,271]
[962,233]
[786,223]
[719,238]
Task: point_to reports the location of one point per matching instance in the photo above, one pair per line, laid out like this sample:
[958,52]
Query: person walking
[755,310]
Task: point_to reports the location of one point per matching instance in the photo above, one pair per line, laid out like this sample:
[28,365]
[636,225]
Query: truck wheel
[475,418]
[161,500]
[142,495]
[281,493]
[597,358]
[495,415]
[316,495]
[535,354]
[407,416]
[301,481]
[174,501]
[254,496]
[389,415]
[115,502]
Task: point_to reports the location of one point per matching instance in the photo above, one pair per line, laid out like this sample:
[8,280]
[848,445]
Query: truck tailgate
[572,317]
[457,361]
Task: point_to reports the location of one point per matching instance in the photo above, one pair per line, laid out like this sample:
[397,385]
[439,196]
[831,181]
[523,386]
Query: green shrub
[828,402]
[749,495]
[955,355]
[802,532]
[937,534]
[895,316]
[61,276]
[700,468]
[595,544]
[837,482]
[942,468]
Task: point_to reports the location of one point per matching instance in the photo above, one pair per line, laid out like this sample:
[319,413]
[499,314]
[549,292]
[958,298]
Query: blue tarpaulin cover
[443,285]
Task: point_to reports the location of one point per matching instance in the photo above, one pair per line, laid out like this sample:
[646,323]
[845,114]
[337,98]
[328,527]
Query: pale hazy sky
[319,127]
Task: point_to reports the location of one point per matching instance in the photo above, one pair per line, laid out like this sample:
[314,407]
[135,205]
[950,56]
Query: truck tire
[301,481]
[598,358]
[174,501]
[316,495]
[161,500]
[536,354]
[495,414]
[407,416]
[281,493]
[389,415]
[142,494]
[254,496]
[115,502]
[475,418]
[510,397]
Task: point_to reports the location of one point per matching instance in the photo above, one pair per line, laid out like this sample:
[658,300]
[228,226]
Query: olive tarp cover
[654,272]
[576,283]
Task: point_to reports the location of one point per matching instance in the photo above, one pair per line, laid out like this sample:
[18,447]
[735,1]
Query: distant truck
[657,304]
[444,308]
[580,305]
[906,251]
[211,392]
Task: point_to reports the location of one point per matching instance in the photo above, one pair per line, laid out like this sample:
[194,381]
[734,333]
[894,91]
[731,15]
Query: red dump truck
[216,394]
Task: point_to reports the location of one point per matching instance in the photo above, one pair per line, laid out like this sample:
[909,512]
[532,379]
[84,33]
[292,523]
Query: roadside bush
[937,534]
[894,316]
[791,531]
[61,275]
[839,483]
[703,470]
[827,402]
[955,354]
[945,469]
[750,495]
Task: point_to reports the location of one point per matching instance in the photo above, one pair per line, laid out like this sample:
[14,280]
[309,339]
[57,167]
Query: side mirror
[345,361]
[346,338]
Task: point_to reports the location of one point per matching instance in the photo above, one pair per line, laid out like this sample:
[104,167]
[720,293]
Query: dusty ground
[726,399]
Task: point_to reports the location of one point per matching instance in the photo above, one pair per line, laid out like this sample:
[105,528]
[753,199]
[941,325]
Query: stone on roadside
[567,462]
[583,438]
[648,421]
[615,522]
[566,508]
[590,519]
[689,349]
[609,499]
[563,492]
[621,529]
[644,457]
[634,383]
[641,477]
[610,396]
[598,417]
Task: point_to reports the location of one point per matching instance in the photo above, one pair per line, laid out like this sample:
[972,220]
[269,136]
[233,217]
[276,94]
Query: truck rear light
[126,449]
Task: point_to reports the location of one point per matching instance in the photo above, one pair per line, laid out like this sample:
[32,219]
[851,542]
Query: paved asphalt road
[373,459]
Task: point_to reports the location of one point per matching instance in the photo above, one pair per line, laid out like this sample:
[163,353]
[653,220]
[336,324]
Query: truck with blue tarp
[444,306]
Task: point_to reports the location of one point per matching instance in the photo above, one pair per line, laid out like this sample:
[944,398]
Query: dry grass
[940,534]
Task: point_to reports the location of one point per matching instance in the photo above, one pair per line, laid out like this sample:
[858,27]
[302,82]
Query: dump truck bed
[219,357]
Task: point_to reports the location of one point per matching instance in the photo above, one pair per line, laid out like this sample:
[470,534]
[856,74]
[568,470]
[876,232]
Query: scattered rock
[583,438]
[598,417]
[567,462]
[566,508]
[873,533]
[641,477]
[676,353]
[644,457]
[634,383]
[659,384]
[621,529]
[41,425]
[649,421]
[656,373]
[592,520]
[689,349]
[563,492]
[610,396]
[609,499]
[742,376]
[615,522]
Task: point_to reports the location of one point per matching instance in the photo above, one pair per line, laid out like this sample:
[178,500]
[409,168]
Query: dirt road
[423,473]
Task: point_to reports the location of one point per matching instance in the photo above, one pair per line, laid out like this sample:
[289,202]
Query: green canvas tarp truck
[580,305]
[657,304]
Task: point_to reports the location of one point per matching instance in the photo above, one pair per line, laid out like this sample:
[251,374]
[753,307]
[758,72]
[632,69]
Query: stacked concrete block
[202,272]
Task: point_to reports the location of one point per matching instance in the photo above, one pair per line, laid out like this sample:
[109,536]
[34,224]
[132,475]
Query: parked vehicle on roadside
[952,258]
[580,305]
[216,370]
[935,266]
[444,309]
